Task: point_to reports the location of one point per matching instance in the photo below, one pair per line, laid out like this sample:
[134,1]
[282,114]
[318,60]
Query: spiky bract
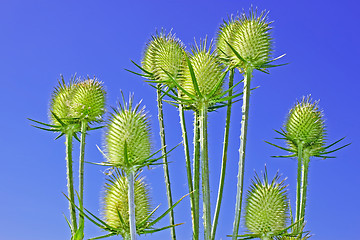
[164,55]
[89,100]
[128,137]
[208,72]
[116,202]
[249,36]
[305,125]
[266,209]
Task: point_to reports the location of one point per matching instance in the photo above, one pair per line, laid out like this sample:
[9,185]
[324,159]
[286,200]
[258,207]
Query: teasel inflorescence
[116,203]
[305,135]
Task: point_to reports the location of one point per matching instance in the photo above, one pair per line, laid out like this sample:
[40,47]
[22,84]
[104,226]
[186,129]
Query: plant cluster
[201,80]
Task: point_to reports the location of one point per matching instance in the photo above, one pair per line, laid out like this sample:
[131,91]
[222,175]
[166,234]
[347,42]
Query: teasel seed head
[266,210]
[249,36]
[305,125]
[89,100]
[116,200]
[61,102]
[208,70]
[165,54]
[128,136]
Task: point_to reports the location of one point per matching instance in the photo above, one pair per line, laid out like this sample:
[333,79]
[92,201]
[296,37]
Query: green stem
[224,159]
[205,171]
[195,224]
[81,171]
[70,180]
[299,184]
[196,167]
[243,134]
[165,165]
[304,176]
[131,199]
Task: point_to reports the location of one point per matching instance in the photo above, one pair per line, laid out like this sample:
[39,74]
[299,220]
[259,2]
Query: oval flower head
[164,58]
[88,100]
[203,78]
[128,143]
[266,211]
[305,125]
[245,41]
[116,205]
[61,102]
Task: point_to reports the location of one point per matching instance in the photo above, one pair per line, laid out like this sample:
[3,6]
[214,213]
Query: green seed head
[164,55]
[61,102]
[305,125]
[249,36]
[266,206]
[208,71]
[89,100]
[116,200]
[128,127]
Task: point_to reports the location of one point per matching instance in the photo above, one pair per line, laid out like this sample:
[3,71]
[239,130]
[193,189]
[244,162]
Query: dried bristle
[89,100]
[164,55]
[130,126]
[207,69]
[266,208]
[61,101]
[116,199]
[249,36]
[305,125]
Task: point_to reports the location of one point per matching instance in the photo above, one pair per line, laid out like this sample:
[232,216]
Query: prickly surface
[116,199]
[305,125]
[249,36]
[266,206]
[89,100]
[208,71]
[164,53]
[128,126]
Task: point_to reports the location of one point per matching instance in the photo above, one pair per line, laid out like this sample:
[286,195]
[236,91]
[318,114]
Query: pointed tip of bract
[249,35]
[266,208]
[305,125]
[164,55]
[115,203]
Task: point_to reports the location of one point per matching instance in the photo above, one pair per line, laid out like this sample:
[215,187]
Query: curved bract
[128,137]
[164,55]
[249,36]
[116,205]
[266,211]
[305,125]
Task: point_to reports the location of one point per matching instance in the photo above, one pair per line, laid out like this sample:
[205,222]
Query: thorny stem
[243,134]
[70,182]
[304,176]
[196,167]
[205,170]
[131,197]
[224,159]
[195,224]
[299,183]
[165,165]
[81,171]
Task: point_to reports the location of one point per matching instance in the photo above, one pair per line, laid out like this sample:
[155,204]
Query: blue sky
[42,39]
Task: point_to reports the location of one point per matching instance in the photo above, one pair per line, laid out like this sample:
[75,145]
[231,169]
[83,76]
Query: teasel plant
[244,43]
[128,148]
[201,90]
[267,210]
[305,134]
[73,107]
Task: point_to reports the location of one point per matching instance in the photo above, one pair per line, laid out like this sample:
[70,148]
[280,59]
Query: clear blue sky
[42,39]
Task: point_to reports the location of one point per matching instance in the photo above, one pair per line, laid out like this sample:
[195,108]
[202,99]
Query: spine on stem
[165,165]
[299,184]
[81,170]
[131,196]
[205,171]
[196,167]
[243,134]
